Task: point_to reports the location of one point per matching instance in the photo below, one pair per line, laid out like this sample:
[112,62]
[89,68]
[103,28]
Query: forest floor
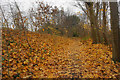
[36,55]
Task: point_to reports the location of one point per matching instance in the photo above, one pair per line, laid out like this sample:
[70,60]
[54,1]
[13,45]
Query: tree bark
[96,23]
[104,24]
[92,21]
[115,31]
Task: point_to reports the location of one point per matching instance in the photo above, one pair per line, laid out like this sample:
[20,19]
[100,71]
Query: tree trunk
[104,24]
[115,31]
[92,21]
[96,24]
[100,23]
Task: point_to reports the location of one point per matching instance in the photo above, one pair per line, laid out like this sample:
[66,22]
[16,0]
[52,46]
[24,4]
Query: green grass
[85,38]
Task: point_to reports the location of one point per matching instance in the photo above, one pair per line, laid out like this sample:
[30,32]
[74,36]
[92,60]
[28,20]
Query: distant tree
[70,22]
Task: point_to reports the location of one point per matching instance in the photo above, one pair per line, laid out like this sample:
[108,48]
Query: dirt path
[72,66]
[76,56]
[66,63]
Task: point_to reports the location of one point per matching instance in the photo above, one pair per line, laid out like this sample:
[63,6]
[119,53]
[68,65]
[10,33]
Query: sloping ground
[50,56]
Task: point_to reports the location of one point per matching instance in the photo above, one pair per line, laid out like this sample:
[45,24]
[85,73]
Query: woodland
[48,42]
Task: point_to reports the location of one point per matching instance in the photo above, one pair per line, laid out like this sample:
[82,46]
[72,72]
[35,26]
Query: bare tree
[92,14]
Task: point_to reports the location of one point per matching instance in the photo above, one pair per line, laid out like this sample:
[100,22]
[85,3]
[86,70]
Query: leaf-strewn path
[74,58]
[54,57]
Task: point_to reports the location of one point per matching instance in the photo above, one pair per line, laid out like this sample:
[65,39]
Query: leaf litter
[51,56]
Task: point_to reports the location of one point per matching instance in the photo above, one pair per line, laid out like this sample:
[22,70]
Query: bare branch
[78,3]
[4,16]
[20,14]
